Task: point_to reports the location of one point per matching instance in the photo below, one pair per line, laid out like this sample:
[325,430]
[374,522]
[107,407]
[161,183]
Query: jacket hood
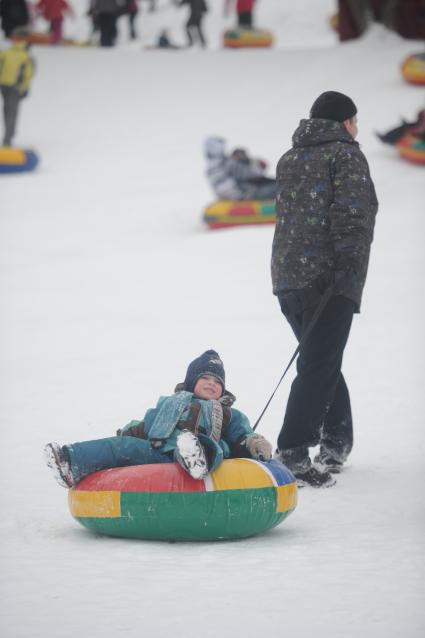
[313,132]
[214,147]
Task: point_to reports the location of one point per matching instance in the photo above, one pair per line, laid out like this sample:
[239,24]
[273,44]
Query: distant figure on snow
[236,176]
[194,24]
[91,13]
[244,9]
[16,72]
[416,128]
[54,12]
[106,12]
[14,14]
[131,9]
[164,41]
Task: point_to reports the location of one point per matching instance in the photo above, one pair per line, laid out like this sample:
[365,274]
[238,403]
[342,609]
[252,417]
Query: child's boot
[190,454]
[58,461]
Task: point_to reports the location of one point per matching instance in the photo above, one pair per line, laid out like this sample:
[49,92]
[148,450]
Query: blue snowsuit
[221,430]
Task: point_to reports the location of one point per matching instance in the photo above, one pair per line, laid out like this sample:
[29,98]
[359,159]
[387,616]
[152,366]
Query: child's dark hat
[207,363]
[332,105]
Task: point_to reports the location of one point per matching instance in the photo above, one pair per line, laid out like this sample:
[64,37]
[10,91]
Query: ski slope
[111,284]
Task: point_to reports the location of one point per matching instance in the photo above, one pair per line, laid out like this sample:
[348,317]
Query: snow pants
[11,100]
[318,408]
[108,29]
[56,29]
[194,28]
[116,451]
[245,19]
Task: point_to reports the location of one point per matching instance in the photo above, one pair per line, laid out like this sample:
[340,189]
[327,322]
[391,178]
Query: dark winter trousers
[131,23]
[318,409]
[194,26]
[108,29]
[245,19]
[11,99]
[56,30]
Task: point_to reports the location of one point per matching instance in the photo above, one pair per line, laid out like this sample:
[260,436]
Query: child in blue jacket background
[196,426]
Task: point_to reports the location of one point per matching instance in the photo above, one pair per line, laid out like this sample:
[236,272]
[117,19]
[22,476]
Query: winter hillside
[111,284]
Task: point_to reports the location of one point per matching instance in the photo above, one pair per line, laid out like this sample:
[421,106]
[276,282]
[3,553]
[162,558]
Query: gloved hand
[258,447]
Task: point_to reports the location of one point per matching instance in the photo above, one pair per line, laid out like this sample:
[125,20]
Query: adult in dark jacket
[194,24]
[326,207]
[14,14]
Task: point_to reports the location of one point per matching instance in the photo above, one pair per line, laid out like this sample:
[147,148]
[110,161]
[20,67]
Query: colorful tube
[412,149]
[241,498]
[16,160]
[238,38]
[226,213]
[413,69]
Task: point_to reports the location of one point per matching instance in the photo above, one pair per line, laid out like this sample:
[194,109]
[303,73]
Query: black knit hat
[208,363]
[332,105]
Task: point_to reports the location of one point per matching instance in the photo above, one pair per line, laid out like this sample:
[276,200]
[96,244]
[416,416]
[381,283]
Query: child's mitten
[258,447]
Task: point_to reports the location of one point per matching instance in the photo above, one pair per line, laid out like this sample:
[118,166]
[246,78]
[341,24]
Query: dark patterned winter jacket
[325,208]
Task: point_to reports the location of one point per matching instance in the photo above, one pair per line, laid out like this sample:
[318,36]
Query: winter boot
[190,454]
[58,461]
[314,478]
[298,461]
[325,463]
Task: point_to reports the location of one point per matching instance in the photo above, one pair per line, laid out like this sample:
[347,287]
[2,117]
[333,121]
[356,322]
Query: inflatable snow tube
[413,69]
[227,213]
[16,160]
[412,149]
[241,498]
[47,39]
[238,38]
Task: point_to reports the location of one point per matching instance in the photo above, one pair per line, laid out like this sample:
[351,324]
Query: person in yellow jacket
[16,72]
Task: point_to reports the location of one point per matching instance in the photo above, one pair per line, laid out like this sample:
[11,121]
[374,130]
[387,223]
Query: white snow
[111,284]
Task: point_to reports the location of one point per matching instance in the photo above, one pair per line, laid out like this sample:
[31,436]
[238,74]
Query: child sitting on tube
[196,427]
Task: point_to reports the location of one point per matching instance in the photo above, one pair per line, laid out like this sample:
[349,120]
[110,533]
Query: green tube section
[185,516]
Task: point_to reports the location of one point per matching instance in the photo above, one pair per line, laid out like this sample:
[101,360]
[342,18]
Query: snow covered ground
[110,285]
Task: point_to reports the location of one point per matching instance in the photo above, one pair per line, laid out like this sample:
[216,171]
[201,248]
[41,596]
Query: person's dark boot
[326,463]
[314,478]
[298,461]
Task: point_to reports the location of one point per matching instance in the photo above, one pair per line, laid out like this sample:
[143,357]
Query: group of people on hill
[325,207]
[19,14]
[325,214]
